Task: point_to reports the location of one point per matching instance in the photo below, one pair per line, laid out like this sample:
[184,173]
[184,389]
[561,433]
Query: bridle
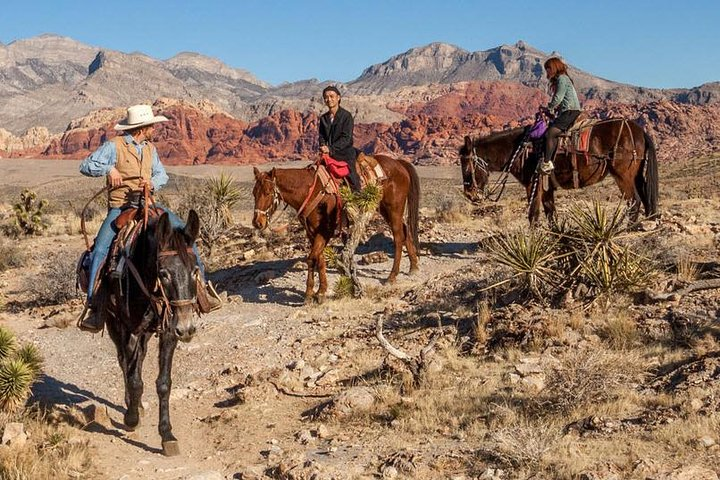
[481,164]
[276,199]
[159,301]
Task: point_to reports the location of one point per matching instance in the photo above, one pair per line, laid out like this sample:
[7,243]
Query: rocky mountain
[60,98]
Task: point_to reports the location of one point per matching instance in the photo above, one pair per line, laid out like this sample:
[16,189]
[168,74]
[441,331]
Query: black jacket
[338,135]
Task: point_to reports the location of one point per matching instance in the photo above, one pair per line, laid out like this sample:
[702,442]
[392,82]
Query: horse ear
[256,172]
[163,230]
[468,142]
[192,226]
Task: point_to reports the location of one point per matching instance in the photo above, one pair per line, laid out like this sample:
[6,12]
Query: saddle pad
[369,169]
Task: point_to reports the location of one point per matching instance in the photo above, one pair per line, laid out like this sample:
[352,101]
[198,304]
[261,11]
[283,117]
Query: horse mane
[177,242]
[491,137]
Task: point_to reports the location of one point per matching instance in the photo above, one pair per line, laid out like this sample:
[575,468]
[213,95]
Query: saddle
[576,141]
[129,223]
[369,171]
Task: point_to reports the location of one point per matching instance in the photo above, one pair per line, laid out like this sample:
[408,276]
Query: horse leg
[411,250]
[322,274]
[398,230]
[631,196]
[135,350]
[534,194]
[548,202]
[168,342]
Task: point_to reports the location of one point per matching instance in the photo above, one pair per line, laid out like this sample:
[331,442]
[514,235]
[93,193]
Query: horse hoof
[414,270]
[131,424]
[320,299]
[309,300]
[390,280]
[171,448]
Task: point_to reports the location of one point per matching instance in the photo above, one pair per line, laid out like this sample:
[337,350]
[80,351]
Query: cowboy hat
[139,116]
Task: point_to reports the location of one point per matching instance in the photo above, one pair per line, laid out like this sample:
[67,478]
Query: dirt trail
[263,328]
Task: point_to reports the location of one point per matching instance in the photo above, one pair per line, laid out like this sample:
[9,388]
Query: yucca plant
[602,261]
[344,287]
[19,368]
[16,377]
[365,200]
[532,256]
[225,194]
[7,343]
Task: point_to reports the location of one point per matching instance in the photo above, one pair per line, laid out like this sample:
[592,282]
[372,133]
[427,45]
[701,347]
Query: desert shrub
[590,247]
[452,210]
[588,377]
[11,255]
[19,368]
[29,211]
[213,202]
[521,445]
[55,284]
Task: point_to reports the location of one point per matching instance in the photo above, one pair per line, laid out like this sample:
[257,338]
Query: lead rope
[502,181]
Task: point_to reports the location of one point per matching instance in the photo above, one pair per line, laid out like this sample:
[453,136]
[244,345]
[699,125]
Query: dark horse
[292,185]
[617,147]
[159,296]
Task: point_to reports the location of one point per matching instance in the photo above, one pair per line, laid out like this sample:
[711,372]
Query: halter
[277,197]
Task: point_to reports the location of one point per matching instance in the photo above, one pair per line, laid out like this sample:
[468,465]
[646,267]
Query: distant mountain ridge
[49,80]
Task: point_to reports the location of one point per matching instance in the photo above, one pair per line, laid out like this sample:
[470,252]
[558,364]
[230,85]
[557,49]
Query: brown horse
[292,186]
[617,147]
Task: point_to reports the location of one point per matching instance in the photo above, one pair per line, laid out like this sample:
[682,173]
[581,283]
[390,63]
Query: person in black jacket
[336,133]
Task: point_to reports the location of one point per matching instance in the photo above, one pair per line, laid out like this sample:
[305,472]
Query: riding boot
[207,297]
[92,322]
[353,178]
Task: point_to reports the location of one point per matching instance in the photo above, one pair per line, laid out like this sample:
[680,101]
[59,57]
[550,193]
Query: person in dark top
[564,105]
[336,134]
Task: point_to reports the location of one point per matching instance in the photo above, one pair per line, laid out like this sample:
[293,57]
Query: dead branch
[678,294]
[416,364]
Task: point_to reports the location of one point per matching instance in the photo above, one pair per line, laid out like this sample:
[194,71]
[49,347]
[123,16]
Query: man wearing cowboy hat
[129,161]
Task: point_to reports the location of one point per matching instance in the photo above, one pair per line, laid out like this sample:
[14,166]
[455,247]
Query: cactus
[19,368]
[29,213]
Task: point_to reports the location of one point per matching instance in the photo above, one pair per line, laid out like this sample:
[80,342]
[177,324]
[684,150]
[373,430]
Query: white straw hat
[139,116]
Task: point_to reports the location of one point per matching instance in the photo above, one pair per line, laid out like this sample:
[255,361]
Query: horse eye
[164,275]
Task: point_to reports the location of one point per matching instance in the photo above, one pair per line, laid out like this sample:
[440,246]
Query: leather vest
[129,164]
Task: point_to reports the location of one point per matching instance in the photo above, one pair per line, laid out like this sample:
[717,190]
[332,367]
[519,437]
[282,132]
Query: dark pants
[353,177]
[559,125]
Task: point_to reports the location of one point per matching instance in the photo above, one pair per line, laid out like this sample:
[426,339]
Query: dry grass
[51,451]
[619,331]
[452,210]
[687,270]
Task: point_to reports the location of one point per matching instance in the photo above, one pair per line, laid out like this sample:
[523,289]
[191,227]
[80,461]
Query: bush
[11,255]
[213,203]
[55,284]
[19,368]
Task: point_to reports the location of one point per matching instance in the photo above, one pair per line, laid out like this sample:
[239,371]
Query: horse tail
[413,202]
[647,179]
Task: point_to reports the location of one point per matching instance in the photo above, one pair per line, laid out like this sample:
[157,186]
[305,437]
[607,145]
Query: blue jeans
[106,235]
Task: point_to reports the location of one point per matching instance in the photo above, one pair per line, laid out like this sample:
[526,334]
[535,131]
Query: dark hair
[331,88]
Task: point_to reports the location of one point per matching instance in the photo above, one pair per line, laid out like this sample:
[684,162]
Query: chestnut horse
[617,147]
[157,297]
[292,186]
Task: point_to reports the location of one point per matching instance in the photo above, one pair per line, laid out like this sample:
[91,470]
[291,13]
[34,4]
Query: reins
[499,185]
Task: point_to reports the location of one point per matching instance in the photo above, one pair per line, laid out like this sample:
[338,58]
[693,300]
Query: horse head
[177,274]
[267,198]
[474,170]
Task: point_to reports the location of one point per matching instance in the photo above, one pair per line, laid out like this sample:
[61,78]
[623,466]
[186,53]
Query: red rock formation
[431,133]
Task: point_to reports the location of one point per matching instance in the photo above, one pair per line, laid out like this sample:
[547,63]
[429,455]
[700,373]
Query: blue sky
[656,43]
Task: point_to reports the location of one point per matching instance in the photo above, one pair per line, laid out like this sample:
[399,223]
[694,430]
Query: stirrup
[208,298]
[547,167]
[85,325]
